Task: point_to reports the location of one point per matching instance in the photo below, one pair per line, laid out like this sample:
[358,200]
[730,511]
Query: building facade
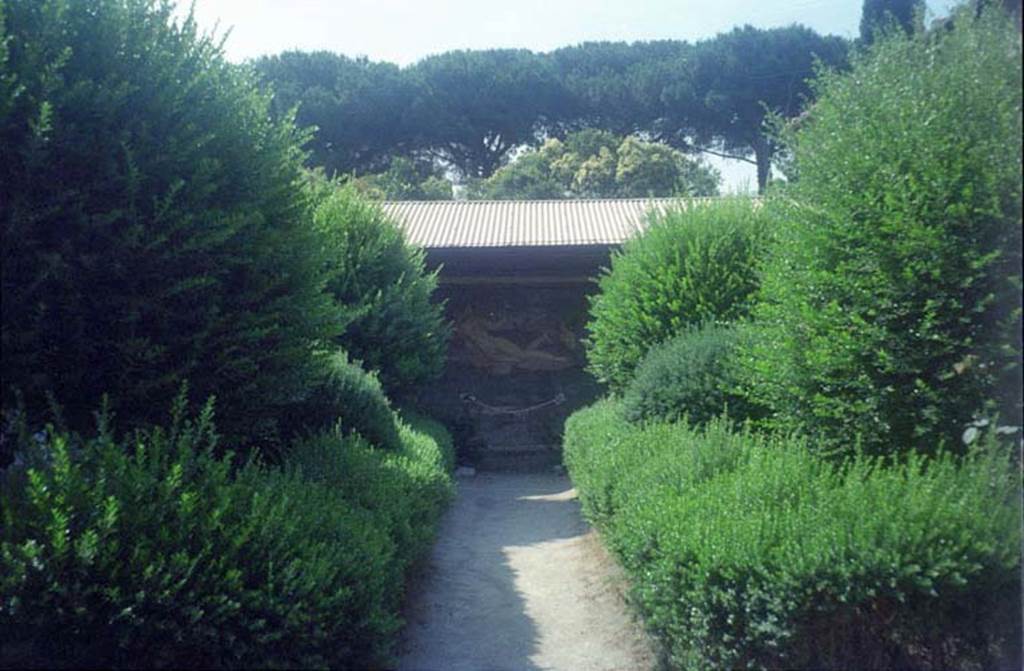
[516,277]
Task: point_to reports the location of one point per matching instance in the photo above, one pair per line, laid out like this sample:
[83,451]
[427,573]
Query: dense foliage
[892,305]
[158,226]
[382,285]
[691,265]
[879,15]
[597,164]
[477,106]
[153,228]
[739,80]
[344,397]
[690,375]
[406,179]
[618,86]
[361,110]
[473,110]
[151,551]
[753,552]
[888,322]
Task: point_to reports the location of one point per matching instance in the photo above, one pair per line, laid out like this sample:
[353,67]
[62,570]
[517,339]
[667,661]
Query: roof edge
[564,200]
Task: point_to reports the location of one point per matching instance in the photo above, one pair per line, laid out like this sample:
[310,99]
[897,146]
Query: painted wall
[515,369]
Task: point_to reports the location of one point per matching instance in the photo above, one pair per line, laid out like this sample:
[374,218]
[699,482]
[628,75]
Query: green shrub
[748,551]
[607,457]
[428,439]
[691,265]
[153,226]
[344,395]
[689,375]
[383,286]
[892,305]
[151,551]
[407,489]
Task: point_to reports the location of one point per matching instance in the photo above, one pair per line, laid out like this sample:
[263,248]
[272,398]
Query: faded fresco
[515,369]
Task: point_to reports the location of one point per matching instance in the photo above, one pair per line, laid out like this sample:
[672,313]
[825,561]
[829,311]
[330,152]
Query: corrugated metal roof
[525,223]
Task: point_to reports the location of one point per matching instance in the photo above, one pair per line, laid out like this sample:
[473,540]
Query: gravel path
[518,581]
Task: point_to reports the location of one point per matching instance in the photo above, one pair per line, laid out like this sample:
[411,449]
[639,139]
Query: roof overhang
[526,223]
[554,264]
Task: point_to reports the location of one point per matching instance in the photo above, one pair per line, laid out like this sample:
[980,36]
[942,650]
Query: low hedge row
[693,375]
[151,550]
[343,396]
[749,551]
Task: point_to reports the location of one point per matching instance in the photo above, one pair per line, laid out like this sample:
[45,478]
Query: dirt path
[518,581]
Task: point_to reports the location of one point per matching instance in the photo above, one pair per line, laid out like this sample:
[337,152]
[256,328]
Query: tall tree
[617,86]
[878,14]
[471,109]
[360,108]
[406,179]
[736,81]
[480,105]
[594,163]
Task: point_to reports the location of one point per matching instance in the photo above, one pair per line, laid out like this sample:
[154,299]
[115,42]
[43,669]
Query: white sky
[403,31]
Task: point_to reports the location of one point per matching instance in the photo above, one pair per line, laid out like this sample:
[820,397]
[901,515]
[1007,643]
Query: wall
[515,367]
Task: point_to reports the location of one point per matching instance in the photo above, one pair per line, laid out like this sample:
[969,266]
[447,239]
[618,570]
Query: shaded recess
[515,276]
[515,367]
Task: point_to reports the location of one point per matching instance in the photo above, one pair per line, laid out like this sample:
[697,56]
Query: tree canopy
[360,109]
[469,112]
[878,14]
[597,164]
[617,86]
[737,80]
[407,179]
[480,105]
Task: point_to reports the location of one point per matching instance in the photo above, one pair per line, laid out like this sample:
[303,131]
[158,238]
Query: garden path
[518,581]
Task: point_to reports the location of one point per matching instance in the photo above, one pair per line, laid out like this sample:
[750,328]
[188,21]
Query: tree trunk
[763,156]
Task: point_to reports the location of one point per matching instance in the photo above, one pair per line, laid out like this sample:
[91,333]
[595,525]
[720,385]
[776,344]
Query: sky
[403,31]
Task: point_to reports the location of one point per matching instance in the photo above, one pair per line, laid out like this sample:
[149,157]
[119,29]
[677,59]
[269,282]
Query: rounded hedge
[342,395]
[154,228]
[382,284]
[691,265]
[689,375]
[892,306]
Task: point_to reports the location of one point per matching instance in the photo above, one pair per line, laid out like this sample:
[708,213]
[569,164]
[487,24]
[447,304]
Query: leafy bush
[892,304]
[151,551]
[689,375]
[344,395]
[428,438]
[751,552]
[381,282]
[691,265]
[153,228]
[407,488]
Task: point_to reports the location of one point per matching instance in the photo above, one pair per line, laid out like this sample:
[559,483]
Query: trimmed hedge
[152,551]
[748,551]
[345,397]
[154,224]
[382,284]
[891,307]
[691,375]
[690,266]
